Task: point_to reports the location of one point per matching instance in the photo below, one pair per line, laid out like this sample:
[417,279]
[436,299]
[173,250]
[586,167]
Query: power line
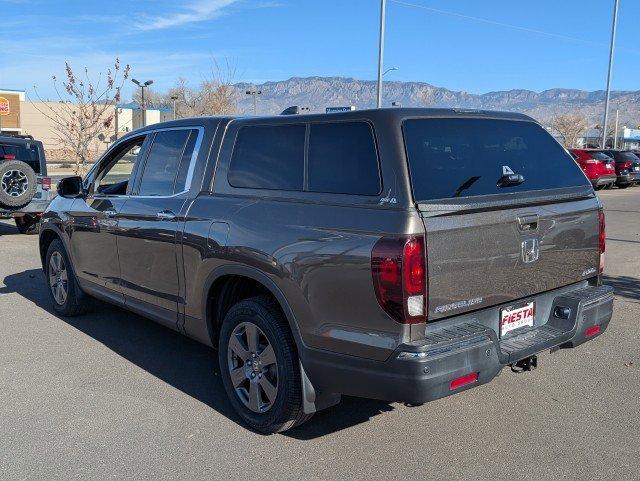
[499,24]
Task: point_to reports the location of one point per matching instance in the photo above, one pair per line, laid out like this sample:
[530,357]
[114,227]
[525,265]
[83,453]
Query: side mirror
[70,187]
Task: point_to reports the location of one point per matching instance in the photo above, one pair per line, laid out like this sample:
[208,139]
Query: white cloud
[198,11]
[164,67]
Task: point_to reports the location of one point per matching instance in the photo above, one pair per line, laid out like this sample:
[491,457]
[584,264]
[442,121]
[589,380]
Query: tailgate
[508,214]
[481,259]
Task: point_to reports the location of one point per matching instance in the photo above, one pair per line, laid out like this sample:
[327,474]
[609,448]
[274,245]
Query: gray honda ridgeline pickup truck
[396,254]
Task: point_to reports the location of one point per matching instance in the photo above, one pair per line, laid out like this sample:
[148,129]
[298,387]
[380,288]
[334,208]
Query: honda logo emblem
[530,250]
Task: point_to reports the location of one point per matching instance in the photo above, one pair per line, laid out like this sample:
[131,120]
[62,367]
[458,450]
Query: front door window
[114,178]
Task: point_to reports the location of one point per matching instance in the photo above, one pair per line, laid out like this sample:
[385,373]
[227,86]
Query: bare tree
[215,95]
[84,110]
[151,99]
[611,133]
[569,127]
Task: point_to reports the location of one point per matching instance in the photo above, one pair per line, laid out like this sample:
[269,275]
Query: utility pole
[608,94]
[383,8]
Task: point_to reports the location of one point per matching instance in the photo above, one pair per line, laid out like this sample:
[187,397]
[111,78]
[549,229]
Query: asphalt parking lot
[112,395]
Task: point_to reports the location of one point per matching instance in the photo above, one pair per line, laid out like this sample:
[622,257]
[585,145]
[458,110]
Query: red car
[598,167]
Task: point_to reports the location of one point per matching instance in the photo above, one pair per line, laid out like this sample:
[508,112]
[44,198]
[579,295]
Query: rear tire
[623,186]
[265,409]
[27,224]
[17,184]
[67,298]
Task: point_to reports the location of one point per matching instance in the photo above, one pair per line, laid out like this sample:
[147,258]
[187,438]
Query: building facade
[10,110]
[20,116]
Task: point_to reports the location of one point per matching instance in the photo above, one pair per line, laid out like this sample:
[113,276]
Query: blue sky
[472,45]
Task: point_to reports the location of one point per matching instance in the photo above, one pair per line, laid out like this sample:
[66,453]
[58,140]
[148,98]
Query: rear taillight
[461,381]
[592,331]
[601,238]
[46,183]
[399,270]
[626,164]
[9,157]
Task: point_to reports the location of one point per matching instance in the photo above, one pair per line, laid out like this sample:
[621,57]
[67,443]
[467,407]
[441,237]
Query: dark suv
[627,167]
[397,254]
[25,188]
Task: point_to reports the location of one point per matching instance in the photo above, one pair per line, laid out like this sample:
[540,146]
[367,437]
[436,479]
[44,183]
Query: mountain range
[317,93]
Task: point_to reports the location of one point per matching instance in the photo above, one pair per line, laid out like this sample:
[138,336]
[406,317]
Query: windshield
[26,152]
[462,157]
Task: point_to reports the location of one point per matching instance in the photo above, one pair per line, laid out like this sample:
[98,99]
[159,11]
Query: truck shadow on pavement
[177,360]
[8,229]
[624,286]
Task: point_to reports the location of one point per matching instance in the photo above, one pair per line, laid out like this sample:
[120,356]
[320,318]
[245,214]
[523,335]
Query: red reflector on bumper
[463,381]
[592,331]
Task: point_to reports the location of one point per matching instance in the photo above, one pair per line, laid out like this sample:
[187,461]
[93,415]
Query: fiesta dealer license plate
[513,318]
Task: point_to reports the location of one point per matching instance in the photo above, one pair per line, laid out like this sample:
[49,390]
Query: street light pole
[383,8]
[608,94]
[615,135]
[142,87]
[174,98]
[255,94]
[391,69]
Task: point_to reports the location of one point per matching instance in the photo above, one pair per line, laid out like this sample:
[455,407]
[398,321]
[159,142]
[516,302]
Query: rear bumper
[33,207]
[603,180]
[629,178]
[422,371]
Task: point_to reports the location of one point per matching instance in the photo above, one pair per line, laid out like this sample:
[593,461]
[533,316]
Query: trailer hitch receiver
[526,364]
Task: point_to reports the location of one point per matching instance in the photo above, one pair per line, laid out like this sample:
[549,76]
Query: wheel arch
[48,233]
[220,293]
[47,236]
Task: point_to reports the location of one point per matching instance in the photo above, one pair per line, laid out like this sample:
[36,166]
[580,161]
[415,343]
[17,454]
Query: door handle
[110,213]
[165,215]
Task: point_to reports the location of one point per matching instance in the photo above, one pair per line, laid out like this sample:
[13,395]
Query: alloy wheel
[15,183]
[58,278]
[253,367]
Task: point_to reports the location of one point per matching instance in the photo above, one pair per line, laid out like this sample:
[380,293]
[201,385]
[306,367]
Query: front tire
[259,366]
[67,298]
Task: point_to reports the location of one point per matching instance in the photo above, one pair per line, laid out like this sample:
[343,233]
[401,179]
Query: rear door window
[269,157]
[628,157]
[462,157]
[185,163]
[163,161]
[600,156]
[343,159]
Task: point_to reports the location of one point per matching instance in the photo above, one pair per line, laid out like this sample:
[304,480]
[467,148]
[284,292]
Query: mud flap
[312,400]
